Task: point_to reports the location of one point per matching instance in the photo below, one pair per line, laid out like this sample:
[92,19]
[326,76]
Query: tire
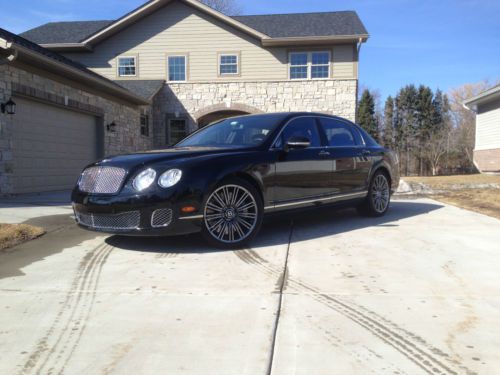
[378,199]
[230,221]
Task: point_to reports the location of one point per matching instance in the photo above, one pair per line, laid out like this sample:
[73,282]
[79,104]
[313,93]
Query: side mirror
[297,143]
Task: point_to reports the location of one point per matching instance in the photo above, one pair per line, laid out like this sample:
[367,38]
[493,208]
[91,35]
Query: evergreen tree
[425,113]
[366,114]
[389,123]
[406,121]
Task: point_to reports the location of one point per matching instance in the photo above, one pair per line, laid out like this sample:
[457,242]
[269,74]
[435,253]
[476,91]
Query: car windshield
[245,131]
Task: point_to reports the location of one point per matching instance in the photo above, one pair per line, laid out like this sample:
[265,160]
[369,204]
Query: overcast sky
[440,43]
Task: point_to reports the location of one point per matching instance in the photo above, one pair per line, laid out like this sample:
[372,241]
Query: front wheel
[378,198]
[232,214]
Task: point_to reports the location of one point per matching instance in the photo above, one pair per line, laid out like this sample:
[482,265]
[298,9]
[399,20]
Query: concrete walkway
[319,293]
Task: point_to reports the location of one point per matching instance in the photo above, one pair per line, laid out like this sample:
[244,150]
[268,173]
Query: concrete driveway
[326,292]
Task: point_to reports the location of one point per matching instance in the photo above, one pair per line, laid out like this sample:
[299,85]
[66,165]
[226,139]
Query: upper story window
[177,68]
[310,65]
[228,64]
[127,66]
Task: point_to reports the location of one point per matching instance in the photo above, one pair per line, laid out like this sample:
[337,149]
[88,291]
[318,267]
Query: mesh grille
[102,180]
[161,218]
[123,221]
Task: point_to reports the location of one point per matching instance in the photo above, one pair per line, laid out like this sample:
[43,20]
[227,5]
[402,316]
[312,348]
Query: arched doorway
[221,111]
[216,116]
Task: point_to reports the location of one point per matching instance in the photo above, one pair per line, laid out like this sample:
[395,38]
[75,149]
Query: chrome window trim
[360,194]
[273,147]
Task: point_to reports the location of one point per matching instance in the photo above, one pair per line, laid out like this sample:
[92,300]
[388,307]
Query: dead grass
[14,234]
[473,192]
[444,182]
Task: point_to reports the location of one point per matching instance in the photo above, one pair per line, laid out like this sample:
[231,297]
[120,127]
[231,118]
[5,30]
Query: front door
[301,173]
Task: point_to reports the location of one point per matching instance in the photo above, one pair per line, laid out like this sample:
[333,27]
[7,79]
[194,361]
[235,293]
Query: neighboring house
[192,65]
[487,146]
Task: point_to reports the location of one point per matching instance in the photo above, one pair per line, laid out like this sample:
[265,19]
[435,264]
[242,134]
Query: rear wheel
[378,198]
[232,214]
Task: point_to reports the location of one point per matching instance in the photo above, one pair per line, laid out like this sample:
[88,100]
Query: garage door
[50,146]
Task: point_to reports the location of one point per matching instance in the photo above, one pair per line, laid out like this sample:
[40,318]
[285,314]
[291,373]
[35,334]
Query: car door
[347,154]
[301,173]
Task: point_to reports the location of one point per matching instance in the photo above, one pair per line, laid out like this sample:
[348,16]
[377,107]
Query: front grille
[102,180]
[161,218]
[123,221]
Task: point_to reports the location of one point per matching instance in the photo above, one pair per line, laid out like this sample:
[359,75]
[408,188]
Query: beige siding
[179,29]
[488,127]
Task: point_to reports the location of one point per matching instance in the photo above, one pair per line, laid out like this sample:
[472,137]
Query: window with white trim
[177,68]
[127,66]
[309,65]
[228,64]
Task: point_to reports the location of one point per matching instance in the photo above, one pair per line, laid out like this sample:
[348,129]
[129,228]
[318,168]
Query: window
[145,125]
[177,68]
[127,66]
[228,64]
[300,127]
[176,131]
[310,65]
[320,65]
[298,66]
[338,133]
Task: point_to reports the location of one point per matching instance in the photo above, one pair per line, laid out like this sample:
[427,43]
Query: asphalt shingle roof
[273,25]
[306,24]
[144,88]
[64,32]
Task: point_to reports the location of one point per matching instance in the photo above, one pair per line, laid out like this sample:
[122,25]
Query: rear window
[369,141]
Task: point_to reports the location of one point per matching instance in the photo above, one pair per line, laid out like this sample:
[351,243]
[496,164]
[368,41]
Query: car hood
[129,161]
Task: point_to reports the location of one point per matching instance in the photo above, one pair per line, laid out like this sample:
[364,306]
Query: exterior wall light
[9,107]
[111,127]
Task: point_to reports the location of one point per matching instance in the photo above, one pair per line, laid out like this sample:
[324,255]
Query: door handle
[366,152]
[324,153]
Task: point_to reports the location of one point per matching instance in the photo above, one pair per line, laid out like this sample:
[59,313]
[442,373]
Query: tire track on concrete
[44,350]
[410,345]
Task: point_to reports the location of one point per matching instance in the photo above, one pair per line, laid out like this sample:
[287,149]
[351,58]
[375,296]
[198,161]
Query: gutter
[268,42]
[67,47]
[63,69]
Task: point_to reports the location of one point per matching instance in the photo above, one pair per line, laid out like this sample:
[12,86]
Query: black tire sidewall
[367,208]
[260,214]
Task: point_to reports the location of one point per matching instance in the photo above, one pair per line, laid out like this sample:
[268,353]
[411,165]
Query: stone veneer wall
[487,160]
[190,100]
[127,137]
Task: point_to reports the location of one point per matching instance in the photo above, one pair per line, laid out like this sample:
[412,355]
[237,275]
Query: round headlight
[144,179]
[170,178]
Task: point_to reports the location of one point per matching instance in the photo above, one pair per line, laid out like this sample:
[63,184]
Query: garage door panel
[51,146]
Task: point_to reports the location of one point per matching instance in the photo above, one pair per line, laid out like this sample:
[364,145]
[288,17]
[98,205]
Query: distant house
[487,147]
[168,67]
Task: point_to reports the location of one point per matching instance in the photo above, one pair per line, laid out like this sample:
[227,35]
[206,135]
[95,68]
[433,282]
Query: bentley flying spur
[222,179]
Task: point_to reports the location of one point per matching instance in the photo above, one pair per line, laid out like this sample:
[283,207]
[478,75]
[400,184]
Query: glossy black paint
[286,179]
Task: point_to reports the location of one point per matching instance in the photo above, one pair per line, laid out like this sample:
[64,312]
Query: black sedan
[223,178]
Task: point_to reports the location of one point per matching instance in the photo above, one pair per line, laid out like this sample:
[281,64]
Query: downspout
[7,46]
[358,49]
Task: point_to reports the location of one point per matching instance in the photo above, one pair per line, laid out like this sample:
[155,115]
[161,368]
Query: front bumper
[136,215]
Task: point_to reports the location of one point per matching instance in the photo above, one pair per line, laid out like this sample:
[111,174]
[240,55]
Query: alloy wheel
[231,214]
[380,193]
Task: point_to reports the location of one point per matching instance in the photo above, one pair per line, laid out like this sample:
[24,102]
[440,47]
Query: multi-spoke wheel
[232,214]
[379,196]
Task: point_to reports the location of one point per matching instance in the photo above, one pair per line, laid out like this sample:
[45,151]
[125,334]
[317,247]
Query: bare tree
[228,7]
[435,149]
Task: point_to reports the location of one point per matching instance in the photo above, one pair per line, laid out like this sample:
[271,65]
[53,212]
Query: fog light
[188,209]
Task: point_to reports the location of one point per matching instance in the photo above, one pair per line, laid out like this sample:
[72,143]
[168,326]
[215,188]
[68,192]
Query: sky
[439,43]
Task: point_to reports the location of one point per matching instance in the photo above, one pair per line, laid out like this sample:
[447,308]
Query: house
[192,65]
[487,145]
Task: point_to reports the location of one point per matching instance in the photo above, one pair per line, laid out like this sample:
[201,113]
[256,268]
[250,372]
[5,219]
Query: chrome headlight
[170,178]
[144,179]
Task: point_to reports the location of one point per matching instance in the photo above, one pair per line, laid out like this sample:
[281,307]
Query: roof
[64,32]
[49,59]
[144,88]
[484,97]
[272,29]
[306,24]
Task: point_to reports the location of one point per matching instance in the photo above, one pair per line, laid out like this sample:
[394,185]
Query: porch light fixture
[111,127]
[9,107]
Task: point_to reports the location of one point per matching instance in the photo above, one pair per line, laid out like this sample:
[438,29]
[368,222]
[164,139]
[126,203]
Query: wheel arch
[383,168]
[250,179]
